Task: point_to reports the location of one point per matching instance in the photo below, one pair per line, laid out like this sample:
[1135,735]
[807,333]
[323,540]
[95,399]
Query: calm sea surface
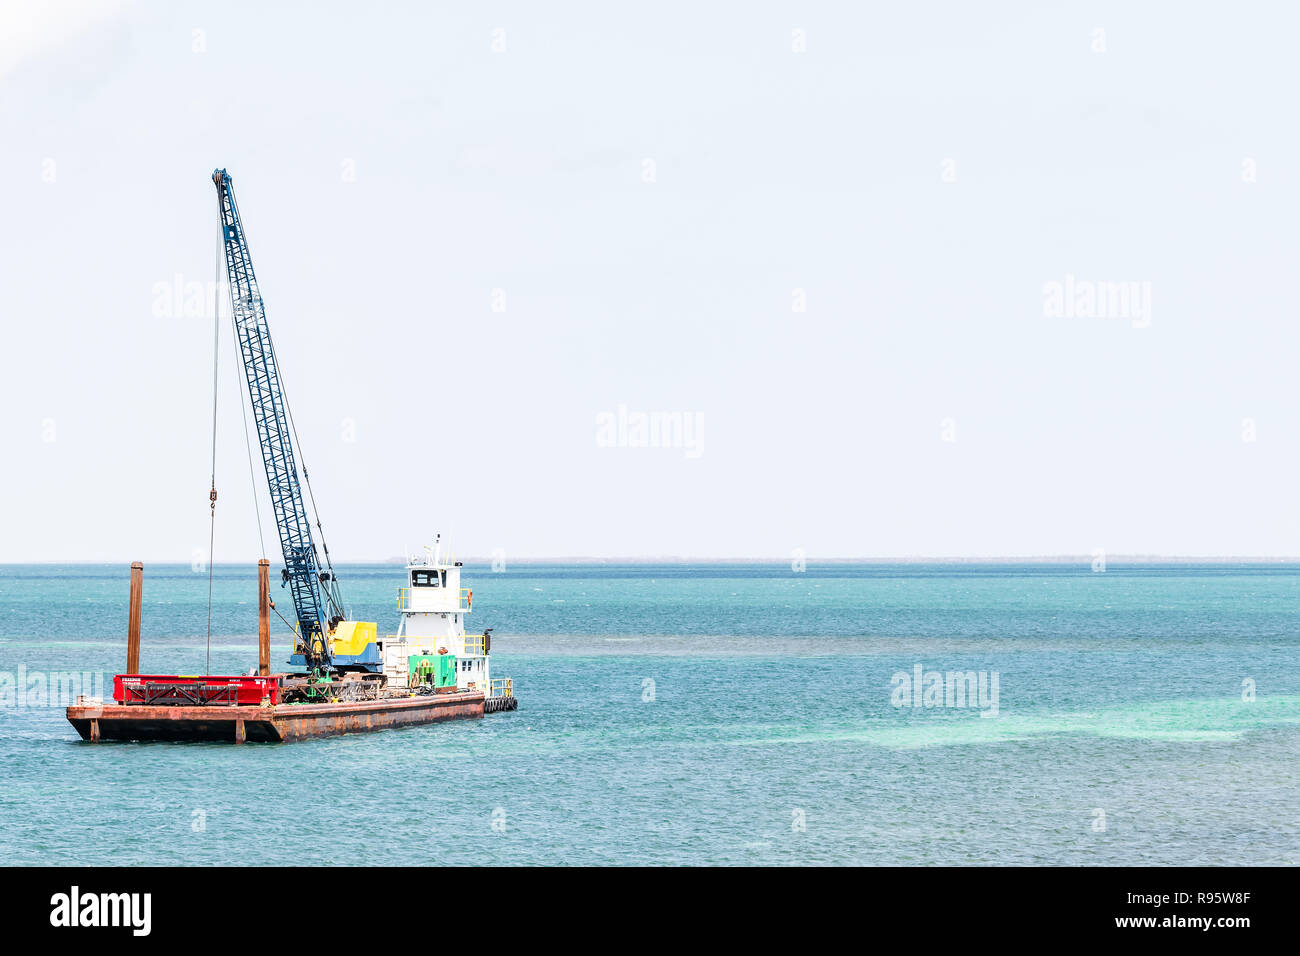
[712,714]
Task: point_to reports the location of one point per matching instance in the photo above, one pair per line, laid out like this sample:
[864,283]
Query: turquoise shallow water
[1119,693]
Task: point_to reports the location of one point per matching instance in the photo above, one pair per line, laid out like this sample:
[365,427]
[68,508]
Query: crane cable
[248,445]
[252,480]
[292,629]
[212,494]
[248,448]
[331,591]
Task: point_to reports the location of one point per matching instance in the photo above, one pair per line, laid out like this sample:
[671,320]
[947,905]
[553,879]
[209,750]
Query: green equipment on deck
[438,669]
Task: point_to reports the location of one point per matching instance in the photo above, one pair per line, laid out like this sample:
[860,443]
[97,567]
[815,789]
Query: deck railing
[466,599]
[502,687]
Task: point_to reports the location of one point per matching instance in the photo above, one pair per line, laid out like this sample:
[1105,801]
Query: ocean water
[712,714]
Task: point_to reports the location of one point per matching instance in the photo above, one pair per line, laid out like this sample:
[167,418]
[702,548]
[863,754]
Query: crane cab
[353,647]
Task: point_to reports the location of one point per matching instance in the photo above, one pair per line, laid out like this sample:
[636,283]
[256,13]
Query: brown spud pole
[133,619]
[263,618]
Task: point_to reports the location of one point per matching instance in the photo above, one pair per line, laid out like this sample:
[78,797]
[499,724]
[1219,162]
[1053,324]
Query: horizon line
[808,559]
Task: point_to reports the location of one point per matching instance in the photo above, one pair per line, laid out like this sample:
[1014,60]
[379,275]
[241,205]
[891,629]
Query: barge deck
[269,723]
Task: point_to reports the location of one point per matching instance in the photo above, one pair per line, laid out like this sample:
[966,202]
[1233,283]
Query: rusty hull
[270,723]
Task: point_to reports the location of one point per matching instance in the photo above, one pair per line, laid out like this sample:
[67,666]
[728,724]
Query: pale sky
[478,228]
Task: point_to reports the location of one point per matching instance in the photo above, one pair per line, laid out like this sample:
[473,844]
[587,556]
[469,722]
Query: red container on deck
[246,690]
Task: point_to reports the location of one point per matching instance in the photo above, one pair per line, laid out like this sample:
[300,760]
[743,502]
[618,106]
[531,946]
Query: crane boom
[317,603]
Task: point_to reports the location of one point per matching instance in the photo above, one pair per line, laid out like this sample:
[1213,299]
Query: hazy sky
[826,234]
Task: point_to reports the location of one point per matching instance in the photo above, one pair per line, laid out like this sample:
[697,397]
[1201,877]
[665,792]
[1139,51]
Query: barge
[270,723]
[429,670]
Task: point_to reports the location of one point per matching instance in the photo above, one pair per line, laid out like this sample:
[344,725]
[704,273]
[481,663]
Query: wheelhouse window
[428,579]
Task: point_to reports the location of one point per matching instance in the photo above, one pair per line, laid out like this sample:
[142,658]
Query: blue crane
[316,596]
